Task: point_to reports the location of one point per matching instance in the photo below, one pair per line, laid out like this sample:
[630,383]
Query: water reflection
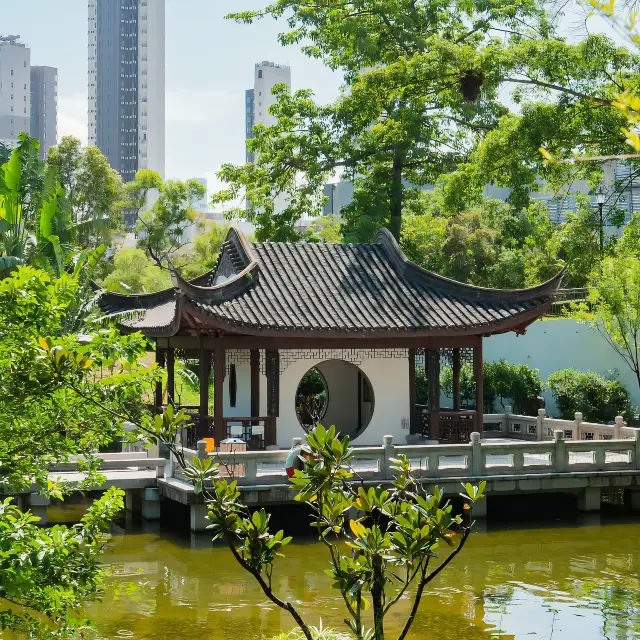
[557,583]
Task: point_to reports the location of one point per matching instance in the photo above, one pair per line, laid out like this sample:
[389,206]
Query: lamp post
[600,198]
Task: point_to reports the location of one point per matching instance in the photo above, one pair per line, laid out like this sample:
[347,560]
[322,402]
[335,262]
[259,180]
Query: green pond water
[549,582]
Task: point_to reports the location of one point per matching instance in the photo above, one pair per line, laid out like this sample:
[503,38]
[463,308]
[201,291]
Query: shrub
[599,399]
[516,384]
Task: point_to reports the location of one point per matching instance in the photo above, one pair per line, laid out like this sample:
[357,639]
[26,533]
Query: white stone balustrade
[479,458]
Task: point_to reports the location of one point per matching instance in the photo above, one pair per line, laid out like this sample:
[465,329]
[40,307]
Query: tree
[613,307]
[388,550]
[325,229]
[92,192]
[64,395]
[203,255]
[162,228]
[597,398]
[427,99]
[491,244]
[134,273]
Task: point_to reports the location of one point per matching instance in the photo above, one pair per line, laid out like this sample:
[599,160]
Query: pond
[542,582]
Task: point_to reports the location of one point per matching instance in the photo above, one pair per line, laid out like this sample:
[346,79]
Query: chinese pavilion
[363,317]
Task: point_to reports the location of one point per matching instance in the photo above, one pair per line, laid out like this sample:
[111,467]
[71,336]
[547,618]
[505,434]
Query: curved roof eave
[413,271]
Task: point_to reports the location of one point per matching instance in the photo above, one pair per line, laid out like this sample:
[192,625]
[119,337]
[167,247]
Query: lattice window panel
[355,356]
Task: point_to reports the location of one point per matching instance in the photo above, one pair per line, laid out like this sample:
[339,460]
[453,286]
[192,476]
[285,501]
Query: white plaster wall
[342,385]
[551,345]
[389,378]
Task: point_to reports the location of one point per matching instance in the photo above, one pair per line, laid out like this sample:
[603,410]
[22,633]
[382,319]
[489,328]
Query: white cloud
[196,106]
[72,117]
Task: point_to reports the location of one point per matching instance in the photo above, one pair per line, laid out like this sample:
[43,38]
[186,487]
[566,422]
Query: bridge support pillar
[198,517]
[589,499]
[634,500]
[151,504]
[480,508]
[133,500]
[38,506]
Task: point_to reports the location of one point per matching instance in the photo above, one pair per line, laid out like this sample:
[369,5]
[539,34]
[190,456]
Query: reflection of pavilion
[269,312]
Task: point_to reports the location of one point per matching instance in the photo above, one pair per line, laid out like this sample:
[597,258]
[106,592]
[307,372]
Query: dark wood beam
[413,426]
[456,379]
[204,370]
[171,374]
[477,368]
[255,382]
[219,362]
[295,342]
[433,378]
[161,362]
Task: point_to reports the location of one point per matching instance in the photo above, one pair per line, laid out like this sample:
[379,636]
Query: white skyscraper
[259,99]
[127,83]
[15,89]
[44,107]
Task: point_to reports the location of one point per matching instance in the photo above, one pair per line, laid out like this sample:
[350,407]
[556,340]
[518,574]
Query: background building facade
[15,89]
[127,83]
[259,99]
[44,107]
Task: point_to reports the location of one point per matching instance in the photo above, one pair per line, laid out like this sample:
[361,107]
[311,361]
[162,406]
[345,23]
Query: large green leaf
[9,262]
[13,171]
[47,217]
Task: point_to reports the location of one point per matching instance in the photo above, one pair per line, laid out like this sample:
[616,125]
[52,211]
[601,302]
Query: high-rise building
[15,89]
[127,83]
[259,99]
[44,107]
[202,205]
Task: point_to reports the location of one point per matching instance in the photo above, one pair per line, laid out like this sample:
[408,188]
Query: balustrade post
[476,454]
[616,427]
[540,424]
[560,461]
[250,469]
[636,452]
[388,452]
[201,448]
[508,410]
[576,425]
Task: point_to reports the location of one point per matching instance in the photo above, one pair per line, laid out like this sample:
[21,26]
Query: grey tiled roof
[311,288]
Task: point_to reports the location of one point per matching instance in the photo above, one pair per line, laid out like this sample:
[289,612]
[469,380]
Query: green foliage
[517,385]
[203,255]
[48,575]
[598,399]
[61,392]
[429,97]
[134,272]
[162,227]
[613,306]
[91,189]
[325,229]
[64,397]
[389,548]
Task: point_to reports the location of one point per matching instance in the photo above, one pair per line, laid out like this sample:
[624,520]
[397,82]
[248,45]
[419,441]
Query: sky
[209,64]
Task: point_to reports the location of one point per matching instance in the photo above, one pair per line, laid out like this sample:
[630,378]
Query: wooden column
[455,365]
[255,383]
[161,362]
[433,377]
[171,374]
[477,369]
[204,370]
[219,362]
[272,361]
[413,427]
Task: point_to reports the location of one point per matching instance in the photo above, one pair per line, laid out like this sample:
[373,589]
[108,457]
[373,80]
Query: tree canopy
[462,95]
